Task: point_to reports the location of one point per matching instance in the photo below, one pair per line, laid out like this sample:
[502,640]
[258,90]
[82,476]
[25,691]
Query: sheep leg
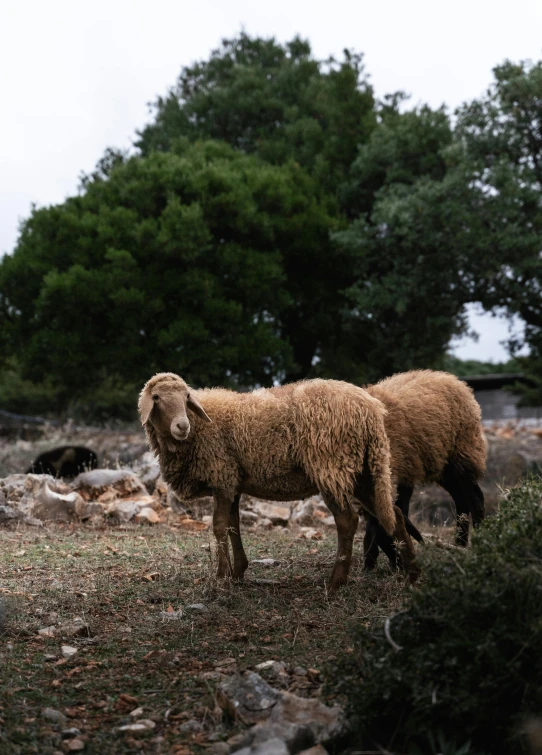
[468,499]
[347,523]
[376,538]
[221,522]
[240,560]
[405,547]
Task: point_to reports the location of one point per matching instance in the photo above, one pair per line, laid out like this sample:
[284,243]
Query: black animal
[64,461]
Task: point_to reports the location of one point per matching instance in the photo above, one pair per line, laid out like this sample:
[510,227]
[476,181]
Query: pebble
[196,607]
[68,652]
[53,715]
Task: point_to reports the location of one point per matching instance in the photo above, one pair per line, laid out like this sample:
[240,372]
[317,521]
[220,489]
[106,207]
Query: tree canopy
[277,222]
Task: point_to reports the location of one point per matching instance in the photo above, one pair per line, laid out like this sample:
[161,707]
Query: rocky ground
[117,638]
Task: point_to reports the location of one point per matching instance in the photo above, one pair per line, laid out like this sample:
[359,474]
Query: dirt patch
[160,633]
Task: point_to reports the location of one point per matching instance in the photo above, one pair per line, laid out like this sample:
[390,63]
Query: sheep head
[163,403]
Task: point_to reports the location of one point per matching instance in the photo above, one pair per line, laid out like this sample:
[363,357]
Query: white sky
[77,77]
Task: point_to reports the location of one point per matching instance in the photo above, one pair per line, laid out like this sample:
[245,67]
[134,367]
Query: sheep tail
[378,465]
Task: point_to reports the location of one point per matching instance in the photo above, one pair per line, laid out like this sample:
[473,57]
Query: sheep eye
[155,397]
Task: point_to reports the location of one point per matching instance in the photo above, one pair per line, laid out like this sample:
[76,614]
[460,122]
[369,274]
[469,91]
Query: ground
[121,581]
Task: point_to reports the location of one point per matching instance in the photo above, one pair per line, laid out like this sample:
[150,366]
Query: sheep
[64,461]
[278,443]
[434,427]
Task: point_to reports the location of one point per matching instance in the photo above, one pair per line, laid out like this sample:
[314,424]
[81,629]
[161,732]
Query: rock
[175,503]
[247,697]
[53,715]
[303,513]
[265,524]
[298,722]
[171,615]
[53,506]
[124,509]
[69,733]
[308,533]
[207,519]
[47,631]
[248,517]
[8,513]
[68,652]
[87,509]
[74,745]
[75,628]
[122,482]
[147,516]
[316,750]
[220,748]
[136,713]
[141,727]
[191,727]
[277,515]
[273,746]
[196,608]
[266,562]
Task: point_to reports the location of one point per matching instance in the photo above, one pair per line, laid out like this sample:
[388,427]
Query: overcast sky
[77,77]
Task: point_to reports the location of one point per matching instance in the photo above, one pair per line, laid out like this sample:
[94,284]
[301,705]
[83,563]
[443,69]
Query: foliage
[191,261]
[471,665]
[273,100]
[469,367]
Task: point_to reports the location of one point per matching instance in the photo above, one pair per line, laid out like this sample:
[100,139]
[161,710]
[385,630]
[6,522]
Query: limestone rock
[95,482]
[299,723]
[278,515]
[50,505]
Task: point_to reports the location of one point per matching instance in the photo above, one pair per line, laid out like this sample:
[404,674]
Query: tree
[273,100]
[178,261]
[501,135]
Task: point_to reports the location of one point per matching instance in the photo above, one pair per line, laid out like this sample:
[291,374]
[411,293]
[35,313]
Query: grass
[119,580]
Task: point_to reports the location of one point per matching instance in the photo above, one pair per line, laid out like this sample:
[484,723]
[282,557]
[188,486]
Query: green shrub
[470,670]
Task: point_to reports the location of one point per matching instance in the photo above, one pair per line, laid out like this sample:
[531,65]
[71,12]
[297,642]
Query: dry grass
[119,580]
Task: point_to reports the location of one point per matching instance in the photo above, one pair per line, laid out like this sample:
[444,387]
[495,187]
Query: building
[497,399]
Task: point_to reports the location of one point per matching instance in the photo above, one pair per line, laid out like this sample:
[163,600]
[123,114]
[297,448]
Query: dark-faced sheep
[434,426]
[281,444]
[64,461]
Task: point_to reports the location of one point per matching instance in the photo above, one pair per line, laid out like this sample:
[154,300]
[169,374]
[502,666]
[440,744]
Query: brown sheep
[280,444]
[434,426]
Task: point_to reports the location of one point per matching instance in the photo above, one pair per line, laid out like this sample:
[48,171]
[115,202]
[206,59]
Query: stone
[171,615]
[52,506]
[46,632]
[56,716]
[75,628]
[196,608]
[87,509]
[191,727]
[69,733]
[120,482]
[316,750]
[147,516]
[124,509]
[141,727]
[136,713]
[278,515]
[248,517]
[175,503]
[266,562]
[298,722]
[220,748]
[265,524]
[74,745]
[8,513]
[68,651]
[247,697]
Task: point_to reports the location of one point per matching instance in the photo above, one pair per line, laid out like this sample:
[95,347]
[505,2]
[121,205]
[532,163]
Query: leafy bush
[470,669]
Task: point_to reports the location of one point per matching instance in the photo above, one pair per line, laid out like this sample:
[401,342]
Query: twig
[387,632]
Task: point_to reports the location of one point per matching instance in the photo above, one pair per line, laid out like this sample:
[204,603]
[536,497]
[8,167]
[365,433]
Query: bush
[470,670]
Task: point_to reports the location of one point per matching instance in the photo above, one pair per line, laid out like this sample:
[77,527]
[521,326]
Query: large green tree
[273,100]
[188,261]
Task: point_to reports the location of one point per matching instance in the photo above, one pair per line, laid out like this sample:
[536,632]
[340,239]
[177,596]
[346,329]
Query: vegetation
[278,222]
[470,668]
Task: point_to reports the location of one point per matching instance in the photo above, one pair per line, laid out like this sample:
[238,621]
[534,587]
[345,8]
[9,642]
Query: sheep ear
[146,405]
[197,408]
